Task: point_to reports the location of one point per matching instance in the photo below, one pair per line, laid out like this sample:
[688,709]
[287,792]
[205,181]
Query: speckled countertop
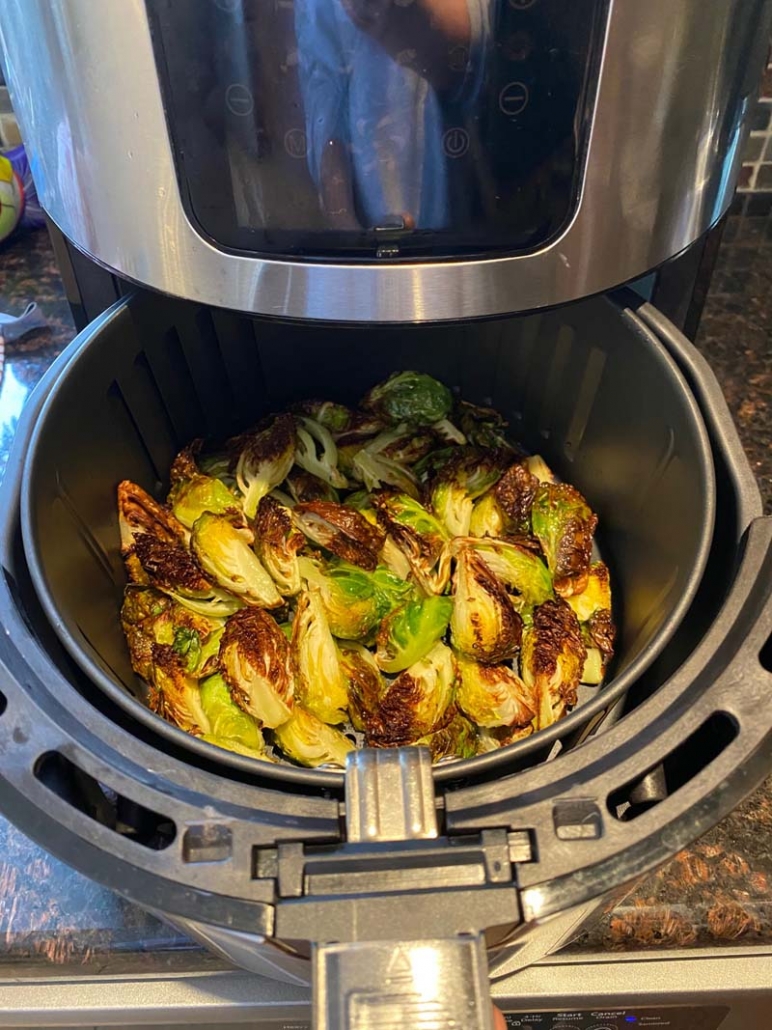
[720,891]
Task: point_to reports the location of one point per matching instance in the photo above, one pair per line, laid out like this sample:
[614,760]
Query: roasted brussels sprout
[516,566]
[277,543]
[190,498]
[224,551]
[596,595]
[484,427]
[227,721]
[255,662]
[306,739]
[551,661]
[484,625]
[593,609]
[354,601]
[154,544]
[365,684]
[411,631]
[538,467]
[412,397]
[342,530]
[514,493]
[323,464]
[265,460]
[487,517]
[418,702]
[174,692]
[492,695]
[377,470]
[321,680]
[456,740]
[335,417]
[463,478]
[564,526]
[449,432]
[214,604]
[419,535]
[305,486]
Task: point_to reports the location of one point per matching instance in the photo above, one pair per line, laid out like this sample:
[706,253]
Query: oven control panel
[700,1018]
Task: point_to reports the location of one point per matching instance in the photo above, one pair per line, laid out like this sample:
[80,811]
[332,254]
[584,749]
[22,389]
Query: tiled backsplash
[756,172]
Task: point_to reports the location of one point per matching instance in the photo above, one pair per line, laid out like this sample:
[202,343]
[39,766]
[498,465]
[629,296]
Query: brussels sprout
[226,719]
[265,460]
[564,526]
[154,545]
[484,427]
[231,744]
[354,601]
[487,517]
[306,739]
[456,740]
[539,468]
[419,535]
[596,595]
[593,669]
[255,663]
[190,498]
[418,702]
[219,465]
[277,543]
[514,493]
[324,465]
[224,551]
[394,559]
[484,624]
[411,631]
[466,476]
[492,695]
[365,684]
[305,486]
[377,470]
[514,565]
[412,397]
[448,432]
[321,681]
[149,617]
[551,661]
[342,530]
[214,604]
[175,694]
[335,417]
[501,736]
[428,467]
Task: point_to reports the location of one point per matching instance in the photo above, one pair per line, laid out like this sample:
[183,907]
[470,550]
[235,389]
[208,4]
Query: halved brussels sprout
[377,470]
[456,740]
[354,601]
[226,719]
[321,680]
[462,479]
[255,663]
[487,517]
[492,695]
[516,566]
[419,535]
[190,498]
[224,551]
[564,525]
[304,486]
[323,464]
[410,632]
[412,397]
[484,427]
[484,625]
[418,702]
[265,460]
[515,492]
[342,530]
[538,467]
[306,739]
[596,595]
[551,661]
[174,693]
[335,417]
[277,543]
[365,684]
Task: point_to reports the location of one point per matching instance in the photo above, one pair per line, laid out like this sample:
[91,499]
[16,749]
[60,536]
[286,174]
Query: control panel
[700,1018]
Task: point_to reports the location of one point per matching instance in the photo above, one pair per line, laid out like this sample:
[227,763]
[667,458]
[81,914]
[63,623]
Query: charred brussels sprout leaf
[265,460]
[255,663]
[484,427]
[410,632]
[551,661]
[456,740]
[224,551]
[307,740]
[520,569]
[564,526]
[365,684]
[419,535]
[412,397]
[174,694]
[515,493]
[492,695]
[463,478]
[303,486]
[484,625]
[277,543]
[226,719]
[321,680]
[342,530]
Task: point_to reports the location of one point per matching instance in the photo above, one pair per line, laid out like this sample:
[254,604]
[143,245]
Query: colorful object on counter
[19,206]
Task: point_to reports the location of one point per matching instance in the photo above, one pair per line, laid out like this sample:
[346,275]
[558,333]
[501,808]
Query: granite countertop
[720,891]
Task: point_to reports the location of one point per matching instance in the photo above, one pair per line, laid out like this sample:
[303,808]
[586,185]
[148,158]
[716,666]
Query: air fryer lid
[589,388]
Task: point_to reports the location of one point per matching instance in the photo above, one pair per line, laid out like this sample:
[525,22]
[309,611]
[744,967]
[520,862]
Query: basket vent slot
[102,804]
[680,767]
[3,702]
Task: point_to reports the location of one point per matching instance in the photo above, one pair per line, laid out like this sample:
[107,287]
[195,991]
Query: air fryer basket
[585,386]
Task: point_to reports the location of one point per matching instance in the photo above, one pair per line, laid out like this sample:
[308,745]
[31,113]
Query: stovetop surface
[52,919]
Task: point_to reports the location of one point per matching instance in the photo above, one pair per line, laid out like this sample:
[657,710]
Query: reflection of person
[375,75]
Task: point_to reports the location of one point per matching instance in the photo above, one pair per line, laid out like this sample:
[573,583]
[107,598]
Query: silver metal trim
[662,158]
[390,795]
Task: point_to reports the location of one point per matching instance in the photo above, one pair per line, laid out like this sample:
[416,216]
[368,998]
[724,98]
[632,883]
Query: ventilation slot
[3,702]
[680,767]
[100,803]
[765,655]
